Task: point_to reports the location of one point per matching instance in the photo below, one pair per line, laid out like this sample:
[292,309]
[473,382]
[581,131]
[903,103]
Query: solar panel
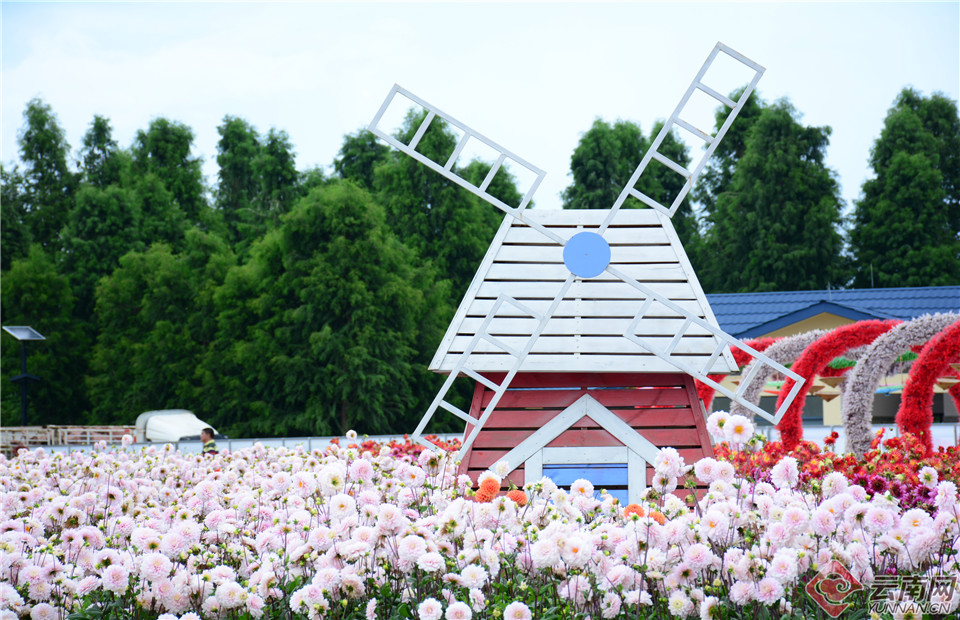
[23,333]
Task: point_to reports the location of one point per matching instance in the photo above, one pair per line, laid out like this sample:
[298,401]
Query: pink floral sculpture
[862,382]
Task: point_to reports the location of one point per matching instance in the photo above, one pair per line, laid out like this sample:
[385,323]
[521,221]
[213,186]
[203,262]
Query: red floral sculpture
[830,371]
[742,358]
[916,405]
[812,363]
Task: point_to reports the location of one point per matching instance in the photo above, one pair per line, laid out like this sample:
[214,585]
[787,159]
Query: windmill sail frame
[647,295]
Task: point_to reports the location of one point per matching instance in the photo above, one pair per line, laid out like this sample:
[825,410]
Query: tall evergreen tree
[359,155]
[717,176]
[276,169]
[99,160]
[503,186]
[258,180]
[602,163]
[777,226]
[664,185]
[322,330]
[441,221]
[156,319]
[35,293]
[164,150]
[49,183]
[906,224]
[238,189]
[607,156]
[14,229]
[161,219]
[104,225]
[311,178]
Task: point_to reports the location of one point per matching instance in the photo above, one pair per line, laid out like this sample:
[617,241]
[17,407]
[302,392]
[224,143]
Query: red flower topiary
[812,362]
[916,405]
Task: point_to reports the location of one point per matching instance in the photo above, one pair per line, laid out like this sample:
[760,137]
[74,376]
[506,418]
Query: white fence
[309,443]
[943,435]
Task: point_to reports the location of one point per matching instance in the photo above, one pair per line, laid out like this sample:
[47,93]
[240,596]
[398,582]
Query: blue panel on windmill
[609,476]
[586,254]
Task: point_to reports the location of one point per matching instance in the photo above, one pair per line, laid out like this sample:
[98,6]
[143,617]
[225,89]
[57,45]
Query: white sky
[529,76]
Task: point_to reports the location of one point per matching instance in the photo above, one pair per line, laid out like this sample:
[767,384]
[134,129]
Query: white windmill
[584,329]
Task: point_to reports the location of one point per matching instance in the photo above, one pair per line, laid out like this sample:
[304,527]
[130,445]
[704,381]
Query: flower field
[369,531]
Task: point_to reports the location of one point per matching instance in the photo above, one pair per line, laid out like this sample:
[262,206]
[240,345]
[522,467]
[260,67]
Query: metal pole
[23,384]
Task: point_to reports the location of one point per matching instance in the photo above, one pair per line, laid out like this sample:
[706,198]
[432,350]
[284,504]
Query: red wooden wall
[663,407]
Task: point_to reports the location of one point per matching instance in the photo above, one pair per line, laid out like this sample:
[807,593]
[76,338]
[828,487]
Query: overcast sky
[532,77]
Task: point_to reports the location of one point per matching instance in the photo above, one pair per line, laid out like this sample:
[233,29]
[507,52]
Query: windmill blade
[462,366]
[724,341]
[447,169]
[676,120]
[482,335]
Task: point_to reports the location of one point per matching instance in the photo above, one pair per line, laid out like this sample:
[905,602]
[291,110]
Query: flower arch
[862,382]
[706,393]
[784,351]
[916,405]
[812,362]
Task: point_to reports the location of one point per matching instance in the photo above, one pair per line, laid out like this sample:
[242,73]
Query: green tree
[164,150]
[607,156]
[103,226]
[161,219]
[323,329]
[441,221]
[777,226]
[311,178]
[238,187]
[276,169]
[503,186]
[664,185]
[156,322]
[99,159]
[602,164]
[360,154]
[14,230]
[48,182]
[717,176]
[258,180]
[906,224]
[36,294]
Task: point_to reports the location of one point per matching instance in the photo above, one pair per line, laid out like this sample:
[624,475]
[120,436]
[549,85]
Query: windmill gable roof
[746,315]
[585,333]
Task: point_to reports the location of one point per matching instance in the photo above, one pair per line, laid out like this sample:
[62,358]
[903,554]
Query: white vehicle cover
[168,425]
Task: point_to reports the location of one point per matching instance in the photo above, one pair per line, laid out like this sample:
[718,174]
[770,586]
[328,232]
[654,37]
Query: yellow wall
[824,320]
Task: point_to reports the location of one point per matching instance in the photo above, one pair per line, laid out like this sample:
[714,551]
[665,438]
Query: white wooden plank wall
[585,333]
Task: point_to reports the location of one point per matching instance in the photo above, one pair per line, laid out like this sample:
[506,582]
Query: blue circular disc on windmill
[586,254]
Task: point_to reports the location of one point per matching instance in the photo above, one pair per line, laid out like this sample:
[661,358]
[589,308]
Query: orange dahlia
[633,509]
[490,486]
[518,496]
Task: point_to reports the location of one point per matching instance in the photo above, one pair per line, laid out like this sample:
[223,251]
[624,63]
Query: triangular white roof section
[585,334]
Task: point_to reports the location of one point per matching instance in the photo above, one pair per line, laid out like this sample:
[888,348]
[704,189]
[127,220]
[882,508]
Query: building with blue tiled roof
[753,315]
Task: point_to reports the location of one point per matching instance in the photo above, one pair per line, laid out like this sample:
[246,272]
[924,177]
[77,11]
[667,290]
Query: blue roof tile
[752,314]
